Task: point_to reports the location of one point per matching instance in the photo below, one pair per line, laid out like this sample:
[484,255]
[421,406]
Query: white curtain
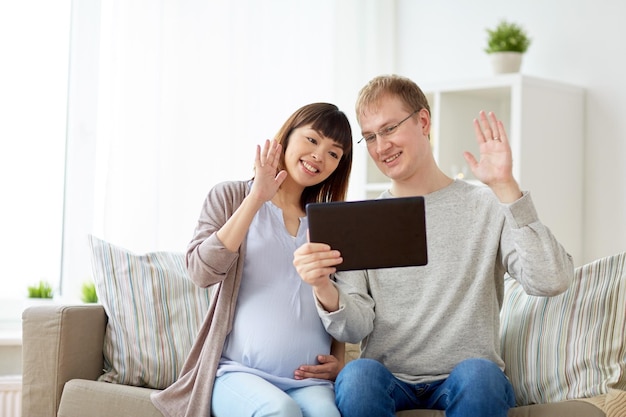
[167,98]
[186,91]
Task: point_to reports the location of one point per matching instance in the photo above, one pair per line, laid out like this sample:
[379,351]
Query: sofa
[62,360]
[565,355]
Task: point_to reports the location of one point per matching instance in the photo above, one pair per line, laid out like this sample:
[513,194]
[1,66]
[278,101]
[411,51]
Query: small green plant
[89,293]
[507,37]
[40,290]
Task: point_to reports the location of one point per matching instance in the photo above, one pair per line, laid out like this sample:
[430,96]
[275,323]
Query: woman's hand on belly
[328,368]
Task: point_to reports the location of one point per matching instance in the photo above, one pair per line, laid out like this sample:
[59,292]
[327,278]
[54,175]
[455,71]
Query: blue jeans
[240,394]
[475,387]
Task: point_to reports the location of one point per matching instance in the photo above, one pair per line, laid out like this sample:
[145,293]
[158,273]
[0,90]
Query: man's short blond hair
[412,97]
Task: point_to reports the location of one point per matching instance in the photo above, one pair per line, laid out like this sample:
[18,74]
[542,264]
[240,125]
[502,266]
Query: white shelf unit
[545,124]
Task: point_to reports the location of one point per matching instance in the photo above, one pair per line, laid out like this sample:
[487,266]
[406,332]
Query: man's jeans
[474,388]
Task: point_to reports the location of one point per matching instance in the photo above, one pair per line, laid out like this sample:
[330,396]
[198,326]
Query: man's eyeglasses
[385,131]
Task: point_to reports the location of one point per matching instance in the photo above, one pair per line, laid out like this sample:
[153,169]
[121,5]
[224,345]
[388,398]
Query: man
[430,335]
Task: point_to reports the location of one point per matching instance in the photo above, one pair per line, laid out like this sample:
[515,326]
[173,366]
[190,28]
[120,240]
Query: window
[33,81]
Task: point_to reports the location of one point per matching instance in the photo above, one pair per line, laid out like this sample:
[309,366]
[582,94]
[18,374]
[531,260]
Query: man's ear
[423,117]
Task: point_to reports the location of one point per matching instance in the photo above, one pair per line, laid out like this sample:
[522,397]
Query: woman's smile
[309,167]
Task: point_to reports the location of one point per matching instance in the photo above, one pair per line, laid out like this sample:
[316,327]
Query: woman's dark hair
[329,121]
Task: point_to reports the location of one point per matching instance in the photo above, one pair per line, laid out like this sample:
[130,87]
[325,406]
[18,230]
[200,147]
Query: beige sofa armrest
[59,343]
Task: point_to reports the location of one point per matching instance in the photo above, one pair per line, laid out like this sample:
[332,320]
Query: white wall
[574,41]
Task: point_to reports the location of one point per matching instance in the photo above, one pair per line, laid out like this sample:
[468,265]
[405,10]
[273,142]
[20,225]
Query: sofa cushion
[568,346]
[99,399]
[154,312]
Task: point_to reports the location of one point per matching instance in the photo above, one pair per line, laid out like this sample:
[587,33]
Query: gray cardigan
[209,263]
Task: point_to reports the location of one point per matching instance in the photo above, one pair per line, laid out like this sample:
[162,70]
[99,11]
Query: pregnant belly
[277,348]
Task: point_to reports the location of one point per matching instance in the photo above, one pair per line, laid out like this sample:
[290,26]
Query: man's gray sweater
[422,321]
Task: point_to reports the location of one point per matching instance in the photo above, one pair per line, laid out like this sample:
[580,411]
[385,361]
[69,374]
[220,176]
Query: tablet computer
[371,234]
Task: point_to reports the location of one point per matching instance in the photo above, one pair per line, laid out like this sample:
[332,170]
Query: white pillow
[154,312]
[572,345]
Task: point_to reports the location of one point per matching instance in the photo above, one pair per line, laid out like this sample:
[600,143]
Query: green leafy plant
[507,37]
[40,290]
[89,293]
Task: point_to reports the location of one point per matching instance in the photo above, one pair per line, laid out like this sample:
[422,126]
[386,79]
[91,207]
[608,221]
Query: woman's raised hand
[266,178]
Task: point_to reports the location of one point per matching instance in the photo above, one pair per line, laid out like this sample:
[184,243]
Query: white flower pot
[506,62]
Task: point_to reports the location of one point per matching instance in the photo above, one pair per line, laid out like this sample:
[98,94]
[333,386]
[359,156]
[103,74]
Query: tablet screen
[370,234]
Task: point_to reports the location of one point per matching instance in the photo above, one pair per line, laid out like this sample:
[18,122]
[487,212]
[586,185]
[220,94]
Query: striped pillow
[154,312]
[572,345]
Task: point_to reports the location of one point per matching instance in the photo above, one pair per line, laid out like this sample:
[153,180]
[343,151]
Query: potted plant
[506,43]
[42,289]
[39,293]
[89,294]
